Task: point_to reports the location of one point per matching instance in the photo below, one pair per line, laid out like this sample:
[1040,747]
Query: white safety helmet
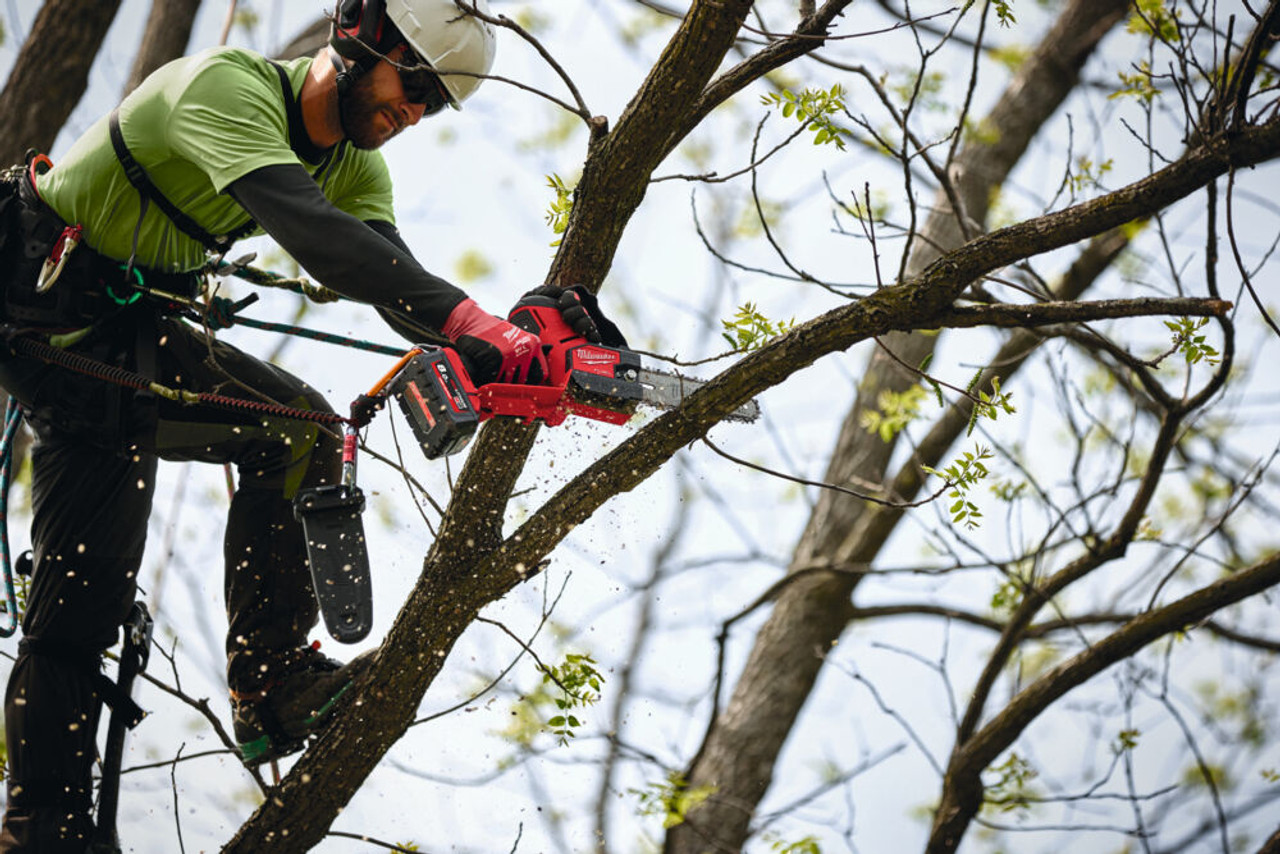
[448,39]
[452,42]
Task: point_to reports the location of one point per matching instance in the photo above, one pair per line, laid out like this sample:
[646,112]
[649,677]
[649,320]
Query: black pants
[95,459]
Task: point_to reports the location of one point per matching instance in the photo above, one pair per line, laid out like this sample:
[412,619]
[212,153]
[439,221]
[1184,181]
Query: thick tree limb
[997,735]
[51,74]
[1045,313]
[1048,627]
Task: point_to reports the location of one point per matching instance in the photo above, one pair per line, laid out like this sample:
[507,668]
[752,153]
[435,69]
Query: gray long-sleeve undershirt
[368,262]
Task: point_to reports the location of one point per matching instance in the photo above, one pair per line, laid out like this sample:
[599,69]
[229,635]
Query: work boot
[278,718]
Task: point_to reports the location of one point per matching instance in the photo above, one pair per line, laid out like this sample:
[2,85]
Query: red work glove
[493,349]
[580,310]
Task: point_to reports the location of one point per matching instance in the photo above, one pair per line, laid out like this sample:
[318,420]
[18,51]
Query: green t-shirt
[196,125]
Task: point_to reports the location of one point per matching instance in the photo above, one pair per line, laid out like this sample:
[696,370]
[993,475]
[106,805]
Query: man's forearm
[343,253]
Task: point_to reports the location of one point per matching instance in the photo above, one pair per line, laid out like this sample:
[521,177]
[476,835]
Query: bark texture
[51,73]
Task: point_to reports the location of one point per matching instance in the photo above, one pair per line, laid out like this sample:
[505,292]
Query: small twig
[227,22]
[888,351]
[822,485]
[546,670]
[768,232]
[893,713]
[822,788]
[202,706]
[175,760]
[721,257]
[713,178]
[360,837]
[503,21]
[1245,280]
[868,224]
[409,479]
[173,782]
[502,675]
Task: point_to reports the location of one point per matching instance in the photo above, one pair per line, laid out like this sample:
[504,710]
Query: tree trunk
[168,31]
[743,743]
[307,42]
[51,73]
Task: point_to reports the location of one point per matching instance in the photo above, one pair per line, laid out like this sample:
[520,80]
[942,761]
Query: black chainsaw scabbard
[336,550]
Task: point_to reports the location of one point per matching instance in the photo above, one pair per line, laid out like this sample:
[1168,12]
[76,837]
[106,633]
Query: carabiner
[36,160]
[51,269]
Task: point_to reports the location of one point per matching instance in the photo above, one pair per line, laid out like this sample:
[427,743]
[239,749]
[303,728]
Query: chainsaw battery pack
[433,395]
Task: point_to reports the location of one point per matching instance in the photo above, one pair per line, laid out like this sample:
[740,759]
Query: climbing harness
[330,515]
[151,194]
[12,418]
[47,352]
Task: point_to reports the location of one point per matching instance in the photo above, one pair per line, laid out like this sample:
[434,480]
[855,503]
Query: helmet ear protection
[360,32]
[359,25]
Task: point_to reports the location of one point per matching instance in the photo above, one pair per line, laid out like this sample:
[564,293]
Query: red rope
[262,407]
[129,379]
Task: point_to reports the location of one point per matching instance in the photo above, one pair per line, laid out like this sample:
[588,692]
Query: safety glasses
[422,85]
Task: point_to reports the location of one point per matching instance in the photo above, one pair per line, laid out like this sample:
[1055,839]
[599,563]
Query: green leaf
[472,266]
[895,410]
[557,215]
[814,107]
[672,799]
[1154,18]
[1139,84]
[1004,12]
[751,330]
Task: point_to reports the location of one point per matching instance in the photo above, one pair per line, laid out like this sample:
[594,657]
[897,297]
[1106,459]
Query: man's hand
[580,309]
[494,349]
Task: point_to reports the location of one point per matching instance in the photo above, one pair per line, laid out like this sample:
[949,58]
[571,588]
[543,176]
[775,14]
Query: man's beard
[359,112]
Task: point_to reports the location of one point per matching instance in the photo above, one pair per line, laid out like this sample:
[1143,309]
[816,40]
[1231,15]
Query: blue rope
[303,332]
[12,418]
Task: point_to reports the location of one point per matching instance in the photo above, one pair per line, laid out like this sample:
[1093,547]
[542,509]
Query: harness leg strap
[106,690]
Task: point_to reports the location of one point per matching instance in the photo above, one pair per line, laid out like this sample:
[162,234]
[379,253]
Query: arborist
[210,148]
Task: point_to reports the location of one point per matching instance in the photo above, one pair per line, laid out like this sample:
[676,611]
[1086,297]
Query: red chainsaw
[594,381]
[444,408]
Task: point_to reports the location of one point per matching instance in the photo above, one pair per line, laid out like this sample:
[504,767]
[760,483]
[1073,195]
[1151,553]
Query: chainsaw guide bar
[667,391]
